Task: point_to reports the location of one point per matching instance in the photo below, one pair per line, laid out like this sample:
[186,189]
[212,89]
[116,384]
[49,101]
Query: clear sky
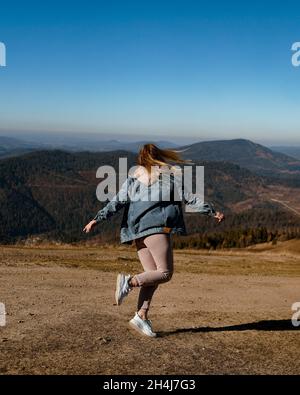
[202,69]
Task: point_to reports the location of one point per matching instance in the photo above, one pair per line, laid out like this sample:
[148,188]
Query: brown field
[224,312]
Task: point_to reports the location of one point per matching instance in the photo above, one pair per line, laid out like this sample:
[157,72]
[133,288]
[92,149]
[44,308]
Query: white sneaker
[142,326]
[122,288]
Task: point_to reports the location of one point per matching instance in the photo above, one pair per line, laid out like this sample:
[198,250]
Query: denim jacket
[154,208]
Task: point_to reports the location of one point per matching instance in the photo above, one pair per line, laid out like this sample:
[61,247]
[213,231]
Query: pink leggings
[156,255]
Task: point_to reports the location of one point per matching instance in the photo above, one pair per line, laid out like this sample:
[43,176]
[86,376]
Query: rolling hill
[247,154]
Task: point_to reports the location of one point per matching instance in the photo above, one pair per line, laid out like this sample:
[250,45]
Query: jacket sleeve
[193,202]
[116,204]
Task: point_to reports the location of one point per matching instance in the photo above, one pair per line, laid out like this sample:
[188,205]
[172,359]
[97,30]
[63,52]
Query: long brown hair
[150,155]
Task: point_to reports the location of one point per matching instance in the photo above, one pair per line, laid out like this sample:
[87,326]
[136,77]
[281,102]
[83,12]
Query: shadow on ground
[271,325]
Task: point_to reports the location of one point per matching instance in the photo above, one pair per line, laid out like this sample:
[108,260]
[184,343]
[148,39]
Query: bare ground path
[221,313]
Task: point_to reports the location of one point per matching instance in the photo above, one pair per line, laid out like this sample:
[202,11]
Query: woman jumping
[153,212]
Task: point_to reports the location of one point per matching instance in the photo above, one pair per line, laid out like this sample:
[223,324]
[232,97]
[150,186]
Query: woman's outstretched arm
[194,202]
[117,202]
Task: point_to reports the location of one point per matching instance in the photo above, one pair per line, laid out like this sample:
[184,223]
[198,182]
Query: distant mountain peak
[245,153]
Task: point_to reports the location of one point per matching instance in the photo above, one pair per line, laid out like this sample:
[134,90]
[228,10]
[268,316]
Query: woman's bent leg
[159,247]
[146,292]
[156,255]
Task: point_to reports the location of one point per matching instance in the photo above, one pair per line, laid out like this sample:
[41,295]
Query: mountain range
[247,154]
[11,146]
[52,192]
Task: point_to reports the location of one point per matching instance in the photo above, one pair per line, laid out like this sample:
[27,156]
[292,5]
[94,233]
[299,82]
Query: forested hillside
[249,155]
[52,194]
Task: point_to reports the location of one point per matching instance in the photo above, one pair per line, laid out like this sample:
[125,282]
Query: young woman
[152,214]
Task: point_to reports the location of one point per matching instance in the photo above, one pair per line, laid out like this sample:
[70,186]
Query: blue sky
[186,69]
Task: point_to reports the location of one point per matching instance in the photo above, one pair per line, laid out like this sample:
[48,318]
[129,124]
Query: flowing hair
[150,155]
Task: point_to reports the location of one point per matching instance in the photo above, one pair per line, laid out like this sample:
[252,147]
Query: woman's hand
[89,226]
[219,216]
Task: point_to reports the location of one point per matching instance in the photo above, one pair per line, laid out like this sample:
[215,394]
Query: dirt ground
[222,313]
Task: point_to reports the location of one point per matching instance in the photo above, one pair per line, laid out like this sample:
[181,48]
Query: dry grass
[224,312]
[283,259]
